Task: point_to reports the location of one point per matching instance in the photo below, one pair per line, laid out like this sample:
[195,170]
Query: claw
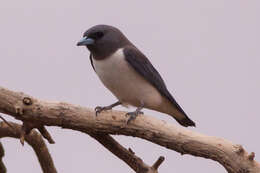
[132,115]
[99,109]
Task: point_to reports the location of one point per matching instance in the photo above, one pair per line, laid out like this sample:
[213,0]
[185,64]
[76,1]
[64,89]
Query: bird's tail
[175,111]
[184,120]
[180,116]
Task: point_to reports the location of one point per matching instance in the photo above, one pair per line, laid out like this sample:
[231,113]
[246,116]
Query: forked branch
[233,157]
[128,156]
[35,140]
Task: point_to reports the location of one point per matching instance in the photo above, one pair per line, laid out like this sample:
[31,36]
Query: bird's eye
[99,34]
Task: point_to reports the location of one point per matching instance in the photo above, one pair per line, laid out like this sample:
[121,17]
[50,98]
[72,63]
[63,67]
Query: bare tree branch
[128,156]
[28,126]
[2,154]
[233,157]
[35,140]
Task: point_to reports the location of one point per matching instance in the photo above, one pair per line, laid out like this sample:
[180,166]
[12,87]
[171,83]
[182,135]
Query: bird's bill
[85,41]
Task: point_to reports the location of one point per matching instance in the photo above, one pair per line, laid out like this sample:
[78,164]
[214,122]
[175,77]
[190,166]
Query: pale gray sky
[207,52]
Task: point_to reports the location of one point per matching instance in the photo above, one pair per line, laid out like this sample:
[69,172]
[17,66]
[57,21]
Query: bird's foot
[133,115]
[100,109]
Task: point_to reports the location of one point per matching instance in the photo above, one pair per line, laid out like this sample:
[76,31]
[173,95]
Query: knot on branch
[19,107]
[27,101]
[239,149]
[251,156]
[29,125]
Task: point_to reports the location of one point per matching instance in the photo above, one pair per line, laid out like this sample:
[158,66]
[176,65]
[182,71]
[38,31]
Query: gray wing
[91,61]
[144,67]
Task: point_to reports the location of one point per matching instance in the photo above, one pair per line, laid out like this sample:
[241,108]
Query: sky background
[207,52]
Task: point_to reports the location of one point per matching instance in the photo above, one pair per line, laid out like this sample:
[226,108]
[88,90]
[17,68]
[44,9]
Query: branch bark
[128,156]
[35,140]
[233,157]
[2,154]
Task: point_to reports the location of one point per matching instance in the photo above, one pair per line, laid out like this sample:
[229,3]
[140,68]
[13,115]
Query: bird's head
[103,40]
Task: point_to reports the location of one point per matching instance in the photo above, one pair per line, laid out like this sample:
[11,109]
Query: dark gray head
[103,40]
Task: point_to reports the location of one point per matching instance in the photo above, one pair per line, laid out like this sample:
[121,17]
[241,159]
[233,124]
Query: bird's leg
[134,114]
[99,109]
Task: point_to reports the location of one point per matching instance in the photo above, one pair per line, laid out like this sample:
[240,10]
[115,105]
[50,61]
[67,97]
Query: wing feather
[144,67]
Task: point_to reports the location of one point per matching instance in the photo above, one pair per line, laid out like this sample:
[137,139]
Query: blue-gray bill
[85,41]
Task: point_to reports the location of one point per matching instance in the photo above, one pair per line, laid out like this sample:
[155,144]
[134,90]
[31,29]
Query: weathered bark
[2,154]
[128,156]
[35,140]
[233,157]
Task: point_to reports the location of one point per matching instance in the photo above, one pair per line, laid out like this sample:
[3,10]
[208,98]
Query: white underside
[125,83]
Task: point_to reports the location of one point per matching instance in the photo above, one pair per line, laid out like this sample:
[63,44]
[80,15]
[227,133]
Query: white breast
[125,83]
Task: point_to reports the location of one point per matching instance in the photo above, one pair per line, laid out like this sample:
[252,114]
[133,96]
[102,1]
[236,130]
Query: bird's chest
[114,72]
[121,79]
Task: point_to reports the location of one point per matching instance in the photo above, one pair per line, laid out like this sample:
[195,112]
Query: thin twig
[128,156]
[46,134]
[158,162]
[6,122]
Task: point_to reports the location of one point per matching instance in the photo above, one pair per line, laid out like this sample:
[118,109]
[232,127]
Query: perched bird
[128,74]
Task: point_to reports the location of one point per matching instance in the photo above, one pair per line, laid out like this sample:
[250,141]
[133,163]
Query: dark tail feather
[186,121]
[179,115]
